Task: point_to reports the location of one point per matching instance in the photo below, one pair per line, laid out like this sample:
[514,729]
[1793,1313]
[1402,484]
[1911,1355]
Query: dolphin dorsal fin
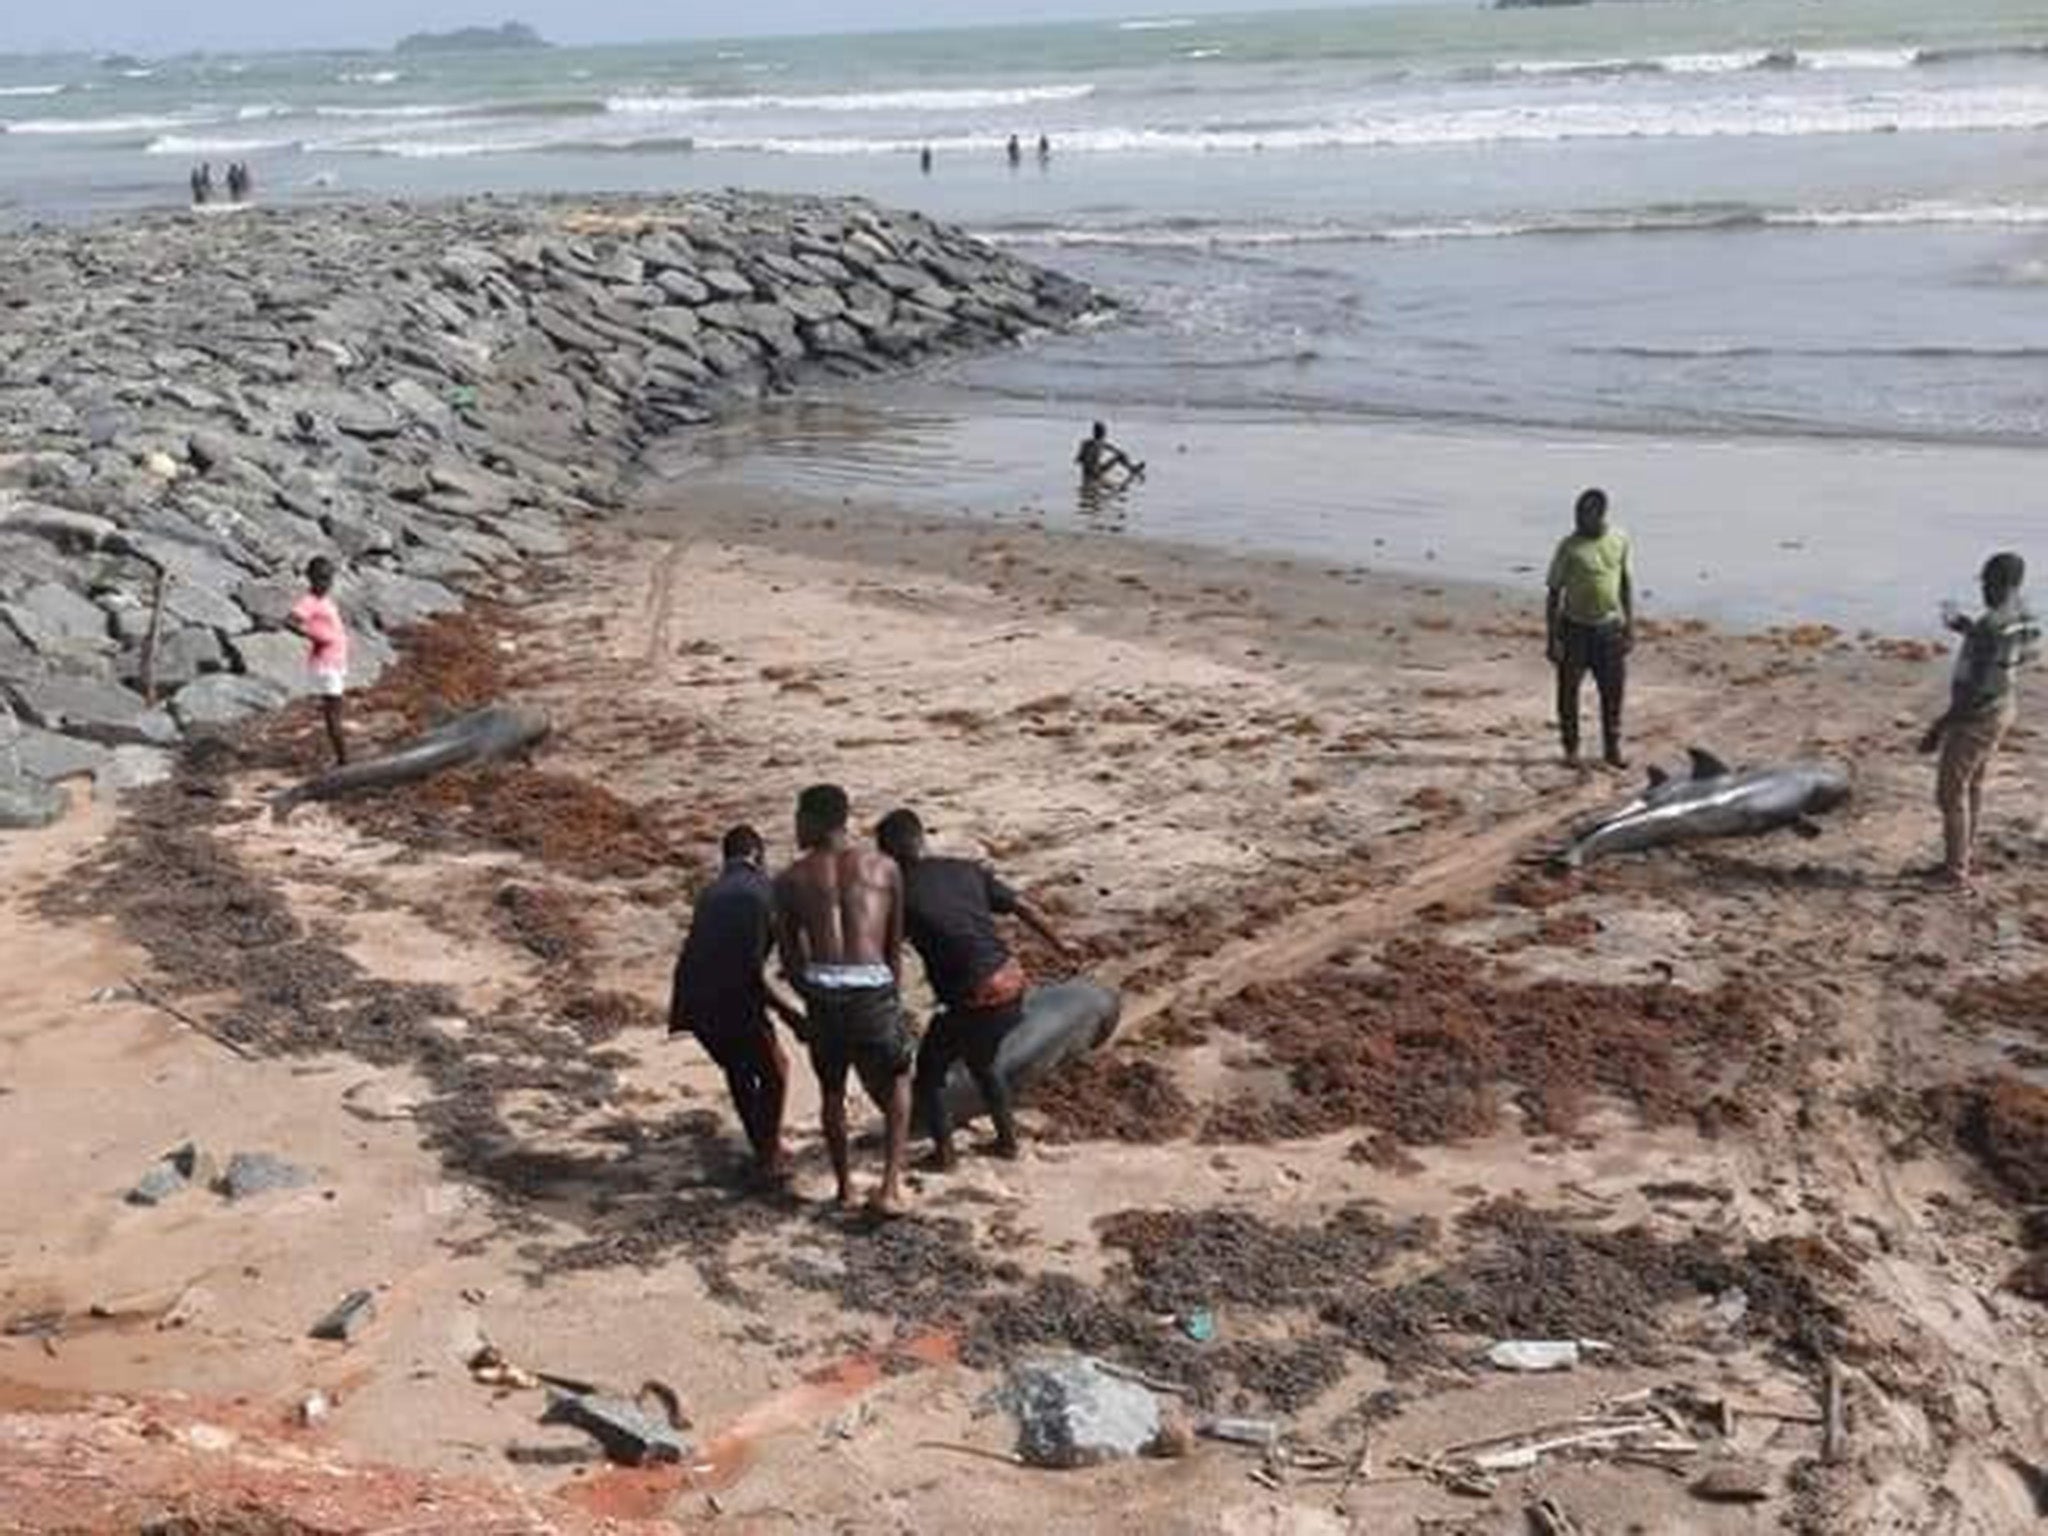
[1658,777]
[1705,765]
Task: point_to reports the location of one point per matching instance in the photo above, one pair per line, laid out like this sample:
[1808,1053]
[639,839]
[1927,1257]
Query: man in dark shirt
[949,913]
[722,996]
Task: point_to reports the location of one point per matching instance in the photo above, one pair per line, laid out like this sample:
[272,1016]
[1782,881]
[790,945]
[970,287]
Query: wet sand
[1418,1093]
[1747,531]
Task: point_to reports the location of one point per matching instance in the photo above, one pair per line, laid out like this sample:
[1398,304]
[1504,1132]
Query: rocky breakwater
[192,407]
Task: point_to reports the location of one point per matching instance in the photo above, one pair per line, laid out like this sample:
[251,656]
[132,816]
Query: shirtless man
[839,928]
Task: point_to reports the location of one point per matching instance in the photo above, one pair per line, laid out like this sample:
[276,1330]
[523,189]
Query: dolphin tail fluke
[1658,777]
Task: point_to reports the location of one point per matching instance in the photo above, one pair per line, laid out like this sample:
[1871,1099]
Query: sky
[162,26]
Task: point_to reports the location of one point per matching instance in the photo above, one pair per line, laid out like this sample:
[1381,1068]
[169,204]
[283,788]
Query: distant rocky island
[512,34]
[1523,5]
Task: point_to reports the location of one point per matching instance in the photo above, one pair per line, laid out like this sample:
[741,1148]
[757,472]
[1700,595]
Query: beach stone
[99,711]
[682,286]
[209,451]
[134,768]
[51,756]
[811,304]
[51,617]
[273,657]
[899,279]
[71,532]
[204,606]
[568,333]
[26,802]
[396,600]
[269,600]
[258,1173]
[724,283]
[676,326]
[1734,1482]
[222,698]
[422,404]
[629,1433]
[187,653]
[362,416]
[1071,1413]
[479,487]
[174,1171]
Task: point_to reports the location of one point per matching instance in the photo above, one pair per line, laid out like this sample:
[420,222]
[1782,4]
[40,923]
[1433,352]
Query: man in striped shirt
[1996,644]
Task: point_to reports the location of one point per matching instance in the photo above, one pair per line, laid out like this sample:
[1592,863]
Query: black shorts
[735,1038]
[862,1028]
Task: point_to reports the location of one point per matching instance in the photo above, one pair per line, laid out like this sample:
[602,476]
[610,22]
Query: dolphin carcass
[1714,801]
[482,736]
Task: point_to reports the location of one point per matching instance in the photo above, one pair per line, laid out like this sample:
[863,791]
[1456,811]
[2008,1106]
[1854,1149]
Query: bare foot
[885,1205]
[844,1199]
[938,1160]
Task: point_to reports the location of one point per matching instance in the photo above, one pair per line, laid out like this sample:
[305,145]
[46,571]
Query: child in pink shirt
[317,617]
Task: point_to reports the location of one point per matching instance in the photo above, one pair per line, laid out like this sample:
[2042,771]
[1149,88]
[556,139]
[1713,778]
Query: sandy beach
[1759,1117]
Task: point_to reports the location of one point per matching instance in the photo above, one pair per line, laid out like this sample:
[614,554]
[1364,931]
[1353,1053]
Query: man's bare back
[843,906]
[839,927]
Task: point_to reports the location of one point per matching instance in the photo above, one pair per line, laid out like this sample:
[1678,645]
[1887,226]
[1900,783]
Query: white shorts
[328,682]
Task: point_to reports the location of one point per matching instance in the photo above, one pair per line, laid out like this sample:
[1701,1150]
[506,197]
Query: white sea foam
[1981,110]
[92,125]
[958,99]
[31,90]
[1200,234]
[1159,24]
[371,77]
[202,144]
[1858,58]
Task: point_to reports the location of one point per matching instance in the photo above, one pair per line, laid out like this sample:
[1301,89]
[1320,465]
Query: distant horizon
[142,38]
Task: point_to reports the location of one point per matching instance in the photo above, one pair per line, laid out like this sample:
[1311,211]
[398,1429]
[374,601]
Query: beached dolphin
[481,736]
[1061,1021]
[1715,801]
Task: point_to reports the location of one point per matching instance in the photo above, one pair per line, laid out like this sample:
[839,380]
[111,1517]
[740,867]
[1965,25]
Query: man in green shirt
[1591,622]
[1996,645]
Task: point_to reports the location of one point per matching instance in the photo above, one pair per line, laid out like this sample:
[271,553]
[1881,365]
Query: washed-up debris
[1263,1434]
[1547,1517]
[1072,1413]
[171,1173]
[1199,1325]
[256,1173]
[489,1367]
[349,1317]
[1638,1427]
[629,1432]
[1733,1482]
[1541,1354]
[314,1408]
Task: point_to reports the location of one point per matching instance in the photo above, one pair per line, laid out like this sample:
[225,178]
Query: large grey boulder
[48,756]
[1072,1413]
[134,768]
[99,711]
[396,600]
[27,802]
[223,698]
[51,617]
[272,656]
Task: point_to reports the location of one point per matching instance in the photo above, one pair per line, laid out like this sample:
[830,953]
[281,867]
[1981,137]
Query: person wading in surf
[950,908]
[721,995]
[1996,644]
[839,927]
[1099,458]
[1591,623]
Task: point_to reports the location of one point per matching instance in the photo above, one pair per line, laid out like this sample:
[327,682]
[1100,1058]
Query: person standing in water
[1590,620]
[924,160]
[1015,152]
[1982,703]
[1099,458]
[1044,151]
[317,617]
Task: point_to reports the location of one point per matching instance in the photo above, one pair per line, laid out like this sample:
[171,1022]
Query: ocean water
[1722,220]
